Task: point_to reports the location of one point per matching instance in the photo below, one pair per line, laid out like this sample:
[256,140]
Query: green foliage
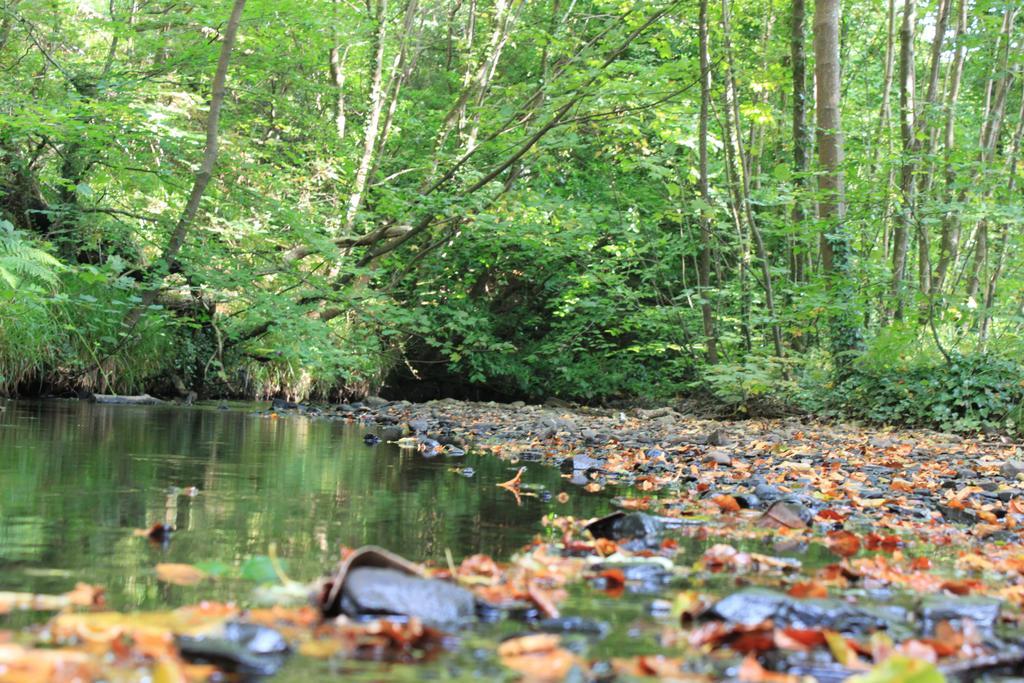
[737,384]
[971,393]
[572,272]
[23,265]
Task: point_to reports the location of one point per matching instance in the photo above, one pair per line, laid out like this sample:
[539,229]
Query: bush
[973,392]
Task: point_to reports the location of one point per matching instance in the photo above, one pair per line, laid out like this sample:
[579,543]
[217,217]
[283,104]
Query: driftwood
[140,400]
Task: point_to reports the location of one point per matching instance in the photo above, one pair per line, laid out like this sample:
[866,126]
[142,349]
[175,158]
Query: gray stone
[1012,468]
[984,612]
[378,590]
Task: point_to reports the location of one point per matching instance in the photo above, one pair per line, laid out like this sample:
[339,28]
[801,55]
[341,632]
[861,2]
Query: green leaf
[782,172]
[259,568]
[901,669]
[213,567]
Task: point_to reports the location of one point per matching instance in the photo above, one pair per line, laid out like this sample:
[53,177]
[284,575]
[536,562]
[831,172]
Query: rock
[384,591]
[580,463]
[718,438]
[751,606]
[748,501]
[549,425]
[984,612]
[621,525]
[719,457]
[375,402]
[391,433]
[371,439]
[786,513]
[517,404]
[663,412]
[1012,468]
[589,434]
[418,426]
[140,400]
[238,648]
[374,581]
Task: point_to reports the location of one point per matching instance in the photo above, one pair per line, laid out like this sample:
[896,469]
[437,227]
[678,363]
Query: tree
[835,242]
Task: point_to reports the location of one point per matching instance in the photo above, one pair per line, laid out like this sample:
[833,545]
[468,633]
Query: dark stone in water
[279,404]
[238,648]
[984,612]
[386,591]
[620,525]
[748,501]
[371,439]
[754,605]
[391,433]
[639,571]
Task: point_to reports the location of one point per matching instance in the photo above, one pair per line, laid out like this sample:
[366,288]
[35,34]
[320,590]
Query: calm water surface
[77,478]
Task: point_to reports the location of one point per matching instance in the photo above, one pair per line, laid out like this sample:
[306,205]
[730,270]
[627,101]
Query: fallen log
[140,400]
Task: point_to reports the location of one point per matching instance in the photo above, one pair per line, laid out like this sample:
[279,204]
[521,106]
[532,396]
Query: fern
[24,265]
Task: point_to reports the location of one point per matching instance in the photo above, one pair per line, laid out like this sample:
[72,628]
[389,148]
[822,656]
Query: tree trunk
[704,263]
[372,118]
[1011,167]
[337,64]
[883,132]
[835,243]
[801,134]
[743,182]
[950,241]
[908,127]
[205,172]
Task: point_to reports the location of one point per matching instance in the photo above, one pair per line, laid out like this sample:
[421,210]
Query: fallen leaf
[726,503]
[179,574]
[843,543]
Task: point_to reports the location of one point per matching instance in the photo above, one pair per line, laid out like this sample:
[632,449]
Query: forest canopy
[748,200]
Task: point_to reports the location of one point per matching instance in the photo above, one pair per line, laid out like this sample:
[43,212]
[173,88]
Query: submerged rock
[238,648]
[623,525]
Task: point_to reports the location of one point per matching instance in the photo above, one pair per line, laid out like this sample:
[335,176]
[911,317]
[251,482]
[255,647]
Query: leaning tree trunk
[205,172]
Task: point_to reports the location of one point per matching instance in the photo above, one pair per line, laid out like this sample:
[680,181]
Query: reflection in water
[77,478]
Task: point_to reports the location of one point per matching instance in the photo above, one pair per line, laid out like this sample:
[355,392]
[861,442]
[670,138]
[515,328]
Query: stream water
[77,479]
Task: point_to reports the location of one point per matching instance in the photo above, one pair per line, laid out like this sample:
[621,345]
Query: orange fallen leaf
[808,589]
[179,574]
[843,543]
[726,503]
